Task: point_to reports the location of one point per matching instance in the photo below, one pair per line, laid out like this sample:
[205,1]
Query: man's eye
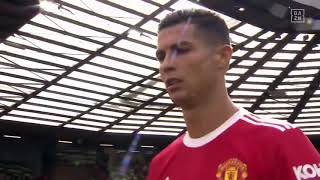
[160,56]
[181,50]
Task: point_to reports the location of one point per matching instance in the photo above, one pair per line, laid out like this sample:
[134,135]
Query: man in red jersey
[222,141]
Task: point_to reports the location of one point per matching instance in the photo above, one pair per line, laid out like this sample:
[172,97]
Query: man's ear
[224,55]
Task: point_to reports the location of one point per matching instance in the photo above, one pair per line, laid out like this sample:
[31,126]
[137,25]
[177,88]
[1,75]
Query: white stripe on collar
[198,142]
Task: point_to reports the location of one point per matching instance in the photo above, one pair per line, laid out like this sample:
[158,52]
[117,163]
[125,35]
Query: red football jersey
[245,147]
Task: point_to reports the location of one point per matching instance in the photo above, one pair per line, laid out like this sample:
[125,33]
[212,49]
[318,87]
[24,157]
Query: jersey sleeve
[152,171]
[297,158]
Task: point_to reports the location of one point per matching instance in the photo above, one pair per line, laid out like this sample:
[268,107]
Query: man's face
[188,65]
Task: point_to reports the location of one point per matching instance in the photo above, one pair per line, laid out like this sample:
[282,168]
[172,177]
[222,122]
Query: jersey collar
[198,142]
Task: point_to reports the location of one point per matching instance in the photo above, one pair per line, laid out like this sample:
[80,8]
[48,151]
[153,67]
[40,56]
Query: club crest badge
[232,169]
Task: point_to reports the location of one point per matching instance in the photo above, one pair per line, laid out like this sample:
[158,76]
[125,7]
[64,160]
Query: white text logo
[297,15]
[307,171]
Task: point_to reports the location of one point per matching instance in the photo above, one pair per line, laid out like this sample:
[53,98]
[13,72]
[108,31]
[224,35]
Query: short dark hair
[207,22]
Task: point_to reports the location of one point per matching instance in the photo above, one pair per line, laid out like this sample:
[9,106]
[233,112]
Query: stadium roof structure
[87,69]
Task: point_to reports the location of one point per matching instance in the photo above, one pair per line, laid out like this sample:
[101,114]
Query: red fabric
[267,153]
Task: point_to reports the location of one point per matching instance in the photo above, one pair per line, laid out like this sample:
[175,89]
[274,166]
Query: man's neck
[206,117]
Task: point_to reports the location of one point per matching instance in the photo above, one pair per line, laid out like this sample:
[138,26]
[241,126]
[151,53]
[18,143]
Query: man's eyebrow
[173,46]
[183,43]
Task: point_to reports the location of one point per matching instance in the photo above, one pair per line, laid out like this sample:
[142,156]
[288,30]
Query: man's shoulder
[170,150]
[265,129]
[266,124]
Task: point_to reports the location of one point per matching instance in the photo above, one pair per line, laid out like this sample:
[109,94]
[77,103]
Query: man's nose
[168,64]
